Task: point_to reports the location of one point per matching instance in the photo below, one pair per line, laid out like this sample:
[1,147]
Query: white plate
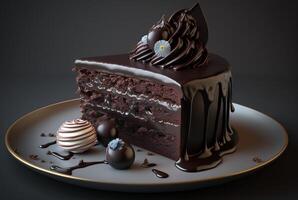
[261,140]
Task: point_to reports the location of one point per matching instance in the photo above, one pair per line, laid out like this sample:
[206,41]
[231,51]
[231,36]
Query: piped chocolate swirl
[175,43]
[76,136]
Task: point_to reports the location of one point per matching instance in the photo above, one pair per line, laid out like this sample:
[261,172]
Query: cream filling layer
[140,97]
[135,116]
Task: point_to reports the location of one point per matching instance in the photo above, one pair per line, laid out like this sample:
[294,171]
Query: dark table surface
[40,40]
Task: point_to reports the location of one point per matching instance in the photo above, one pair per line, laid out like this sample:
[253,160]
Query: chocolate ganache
[165,96]
[185,33]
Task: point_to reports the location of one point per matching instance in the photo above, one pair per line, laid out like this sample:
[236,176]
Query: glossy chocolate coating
[106,131]
[121,157]
[158,32]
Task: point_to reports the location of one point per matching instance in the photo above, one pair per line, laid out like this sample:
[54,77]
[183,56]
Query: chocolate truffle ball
[156,34]
[76,136]
[119,154]
[106,131]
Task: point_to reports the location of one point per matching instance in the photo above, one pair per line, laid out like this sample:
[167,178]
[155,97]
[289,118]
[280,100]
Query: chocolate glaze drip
[60,156]
[43,146]
[34,157]
[199,100]
[81,164]
[160,174]
[52,135]
[187,33]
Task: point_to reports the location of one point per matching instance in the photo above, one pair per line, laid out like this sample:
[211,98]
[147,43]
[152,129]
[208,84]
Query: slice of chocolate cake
[168,95]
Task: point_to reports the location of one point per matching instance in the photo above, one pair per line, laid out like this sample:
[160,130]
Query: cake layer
[90,80]
[158,105]
[147,115]
[157,137]
[130,106]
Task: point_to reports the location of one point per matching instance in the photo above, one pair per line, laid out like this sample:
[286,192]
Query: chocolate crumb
[16,150]
[150,154]
[34,157]
[257,160]
[42,135]
[146,164]
[49,153]
[43,161]
[139,150]
[151,165]
[51,135]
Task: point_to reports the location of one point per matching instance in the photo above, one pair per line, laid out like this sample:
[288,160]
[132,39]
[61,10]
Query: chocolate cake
[169,95]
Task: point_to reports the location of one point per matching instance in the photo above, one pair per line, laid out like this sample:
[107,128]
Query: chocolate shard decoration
[197,12]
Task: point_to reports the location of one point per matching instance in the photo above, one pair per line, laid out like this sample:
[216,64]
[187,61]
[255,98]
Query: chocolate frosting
[186,32]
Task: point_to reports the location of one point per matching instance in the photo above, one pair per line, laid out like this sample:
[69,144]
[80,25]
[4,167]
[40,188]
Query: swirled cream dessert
[76,136]
[168,95]
[174,43]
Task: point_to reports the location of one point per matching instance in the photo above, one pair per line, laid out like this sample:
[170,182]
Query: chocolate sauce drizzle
[187,33]
[43,146]
[199,99]
[147,164]
[34,157]
[68,156]
[81,164]
[160,174]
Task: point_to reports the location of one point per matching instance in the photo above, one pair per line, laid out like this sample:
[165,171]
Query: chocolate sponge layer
[147,114]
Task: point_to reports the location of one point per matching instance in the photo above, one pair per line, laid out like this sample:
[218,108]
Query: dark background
[39,41]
